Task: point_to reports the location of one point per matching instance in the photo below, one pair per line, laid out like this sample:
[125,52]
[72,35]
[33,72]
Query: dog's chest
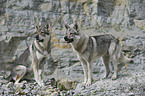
[40,55]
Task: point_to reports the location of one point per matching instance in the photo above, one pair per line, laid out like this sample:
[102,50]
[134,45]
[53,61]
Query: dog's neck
[45,45]
[78,43]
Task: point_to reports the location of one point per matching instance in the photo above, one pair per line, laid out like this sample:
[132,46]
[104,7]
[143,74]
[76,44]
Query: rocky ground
[130,82]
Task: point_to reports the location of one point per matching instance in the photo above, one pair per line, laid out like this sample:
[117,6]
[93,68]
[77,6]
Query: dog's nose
[42,40]
[37,37]
[66,38]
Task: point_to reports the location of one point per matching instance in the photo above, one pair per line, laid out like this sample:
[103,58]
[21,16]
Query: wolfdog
[90,48]
[34,57]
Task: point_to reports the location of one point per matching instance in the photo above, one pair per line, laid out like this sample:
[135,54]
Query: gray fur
[34,57]
[90,48]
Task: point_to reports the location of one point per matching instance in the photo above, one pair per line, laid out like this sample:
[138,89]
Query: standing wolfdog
[34,57]
[90,48]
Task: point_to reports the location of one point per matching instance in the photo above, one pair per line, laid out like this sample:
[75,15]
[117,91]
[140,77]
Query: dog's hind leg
[84,65]
[106,60]
[115,64]
[114,53]
[18,73]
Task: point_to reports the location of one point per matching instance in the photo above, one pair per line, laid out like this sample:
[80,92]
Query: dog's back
[24,59]
[103,43]
[90,48]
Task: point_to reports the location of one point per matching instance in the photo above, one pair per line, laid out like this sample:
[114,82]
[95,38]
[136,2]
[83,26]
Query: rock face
[10,47]
[122,18]
[18,18]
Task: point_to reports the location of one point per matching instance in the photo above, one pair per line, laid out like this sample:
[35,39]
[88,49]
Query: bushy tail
[124,60]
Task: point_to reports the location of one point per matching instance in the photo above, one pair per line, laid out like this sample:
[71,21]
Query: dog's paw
[106,75]
[88,83]
[114,77]
[41,84]
[83,83]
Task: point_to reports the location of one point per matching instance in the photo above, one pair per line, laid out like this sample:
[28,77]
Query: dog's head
[72,33]
[42,32]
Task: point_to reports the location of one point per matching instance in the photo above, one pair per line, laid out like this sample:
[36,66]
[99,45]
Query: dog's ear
[36,28]
[66,26]
[47,26]
[76,27]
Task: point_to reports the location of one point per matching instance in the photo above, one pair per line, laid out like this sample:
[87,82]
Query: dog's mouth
[68,40]
[38,39]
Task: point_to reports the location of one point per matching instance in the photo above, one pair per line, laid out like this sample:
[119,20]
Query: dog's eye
[42,33]
[47,33]
[76,34]
[71,33]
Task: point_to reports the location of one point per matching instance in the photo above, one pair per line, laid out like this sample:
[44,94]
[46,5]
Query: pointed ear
[76,27]
[36,27]
[66,26]
[47,25]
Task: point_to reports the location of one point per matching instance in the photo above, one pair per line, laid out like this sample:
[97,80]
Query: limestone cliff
[17,18]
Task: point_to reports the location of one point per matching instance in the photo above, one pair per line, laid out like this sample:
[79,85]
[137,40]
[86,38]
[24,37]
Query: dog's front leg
[84,65]
[89,66]
[36,73]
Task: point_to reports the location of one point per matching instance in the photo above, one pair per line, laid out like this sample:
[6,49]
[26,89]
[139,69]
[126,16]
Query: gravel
[130,82]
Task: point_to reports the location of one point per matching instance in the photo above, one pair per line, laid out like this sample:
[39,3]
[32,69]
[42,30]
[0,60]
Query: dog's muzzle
[68,40]
[39,39]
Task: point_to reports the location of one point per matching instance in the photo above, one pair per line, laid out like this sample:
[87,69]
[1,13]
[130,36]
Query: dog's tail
[123,59]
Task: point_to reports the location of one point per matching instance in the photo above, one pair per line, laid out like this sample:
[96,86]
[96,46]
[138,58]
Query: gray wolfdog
[34,57]
[90,48]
